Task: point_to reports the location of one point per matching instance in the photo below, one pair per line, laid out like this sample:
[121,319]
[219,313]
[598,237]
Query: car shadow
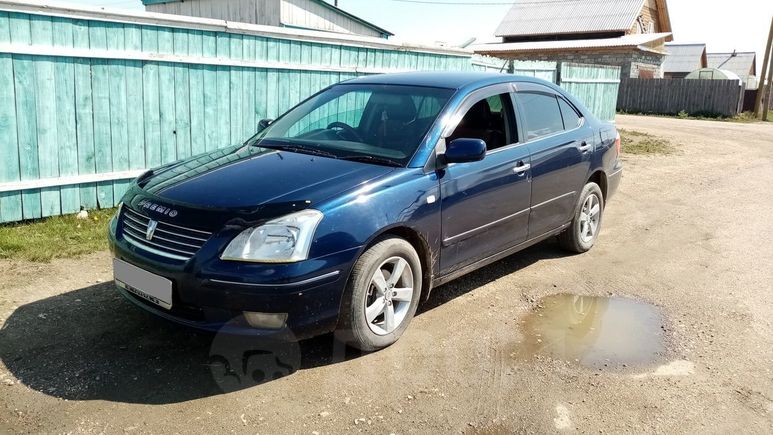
[92,344]
[548,249]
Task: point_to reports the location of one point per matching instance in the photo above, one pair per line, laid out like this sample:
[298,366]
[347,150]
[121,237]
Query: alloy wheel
[389,296]
[590,216]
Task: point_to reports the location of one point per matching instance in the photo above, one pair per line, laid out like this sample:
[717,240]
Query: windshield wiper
[372,159]
[299,149]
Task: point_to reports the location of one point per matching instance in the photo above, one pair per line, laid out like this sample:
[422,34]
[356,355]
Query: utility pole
[767,90]
[761,86]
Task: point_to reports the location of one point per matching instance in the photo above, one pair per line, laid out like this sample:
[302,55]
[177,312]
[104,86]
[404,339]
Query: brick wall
[633,64]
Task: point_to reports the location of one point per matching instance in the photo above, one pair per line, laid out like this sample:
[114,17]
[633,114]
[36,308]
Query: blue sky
[741,25]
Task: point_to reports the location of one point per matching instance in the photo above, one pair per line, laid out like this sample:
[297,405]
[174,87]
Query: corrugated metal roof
[323,3]
[547,17]
[633,40]
[739,63]
[684,58]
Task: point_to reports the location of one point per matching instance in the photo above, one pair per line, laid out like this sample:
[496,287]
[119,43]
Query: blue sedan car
[343,214]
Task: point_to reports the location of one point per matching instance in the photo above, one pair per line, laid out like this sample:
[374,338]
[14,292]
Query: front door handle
[521,168]
[585,146]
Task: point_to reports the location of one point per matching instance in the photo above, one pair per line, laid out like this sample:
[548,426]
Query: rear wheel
[584,229]
[381,296]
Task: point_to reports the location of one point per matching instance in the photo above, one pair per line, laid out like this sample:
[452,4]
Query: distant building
[743,64]
[683,59]
[626,33]
[299,14]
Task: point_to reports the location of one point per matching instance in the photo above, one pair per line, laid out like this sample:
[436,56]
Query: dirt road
[689,233]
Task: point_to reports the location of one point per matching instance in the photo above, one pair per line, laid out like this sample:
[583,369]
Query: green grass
[55,237]
[636,142]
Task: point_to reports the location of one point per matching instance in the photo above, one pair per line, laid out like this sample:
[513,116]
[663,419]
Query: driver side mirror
[464,150]
[263,124]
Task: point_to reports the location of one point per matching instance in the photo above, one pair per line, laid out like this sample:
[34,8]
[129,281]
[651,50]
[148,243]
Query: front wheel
[381,296]
[586,224]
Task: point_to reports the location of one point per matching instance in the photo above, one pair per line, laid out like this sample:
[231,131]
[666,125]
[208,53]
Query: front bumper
[211,294]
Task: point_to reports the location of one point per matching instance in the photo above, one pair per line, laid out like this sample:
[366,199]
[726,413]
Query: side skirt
[496,257]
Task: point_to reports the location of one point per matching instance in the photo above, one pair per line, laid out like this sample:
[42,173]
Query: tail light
[618,143]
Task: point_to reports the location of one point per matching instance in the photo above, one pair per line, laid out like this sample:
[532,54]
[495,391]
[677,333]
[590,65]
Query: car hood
[247,176]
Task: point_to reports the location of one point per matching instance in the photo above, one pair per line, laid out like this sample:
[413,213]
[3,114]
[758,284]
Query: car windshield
[379,124]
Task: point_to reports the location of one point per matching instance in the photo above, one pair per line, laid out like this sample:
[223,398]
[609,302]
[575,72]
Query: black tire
[572,239]
[353,327]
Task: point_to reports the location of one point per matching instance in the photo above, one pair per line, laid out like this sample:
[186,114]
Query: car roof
[443,79]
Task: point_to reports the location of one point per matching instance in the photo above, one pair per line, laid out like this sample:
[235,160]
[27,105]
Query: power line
[449,3]
[495,3]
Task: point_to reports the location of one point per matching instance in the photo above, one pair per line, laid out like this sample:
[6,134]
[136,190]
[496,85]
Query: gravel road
[688,233]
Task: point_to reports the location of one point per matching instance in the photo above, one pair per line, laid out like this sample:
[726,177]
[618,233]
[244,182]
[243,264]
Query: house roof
[684,58]
[561,17]
[323,3]
[340,11]
[743,64]
[642,41]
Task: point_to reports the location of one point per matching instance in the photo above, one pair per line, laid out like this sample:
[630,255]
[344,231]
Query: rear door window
[571,118]
[540,113]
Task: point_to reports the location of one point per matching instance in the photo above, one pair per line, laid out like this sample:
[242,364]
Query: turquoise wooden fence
[89,99]
[540,69]
[596,86]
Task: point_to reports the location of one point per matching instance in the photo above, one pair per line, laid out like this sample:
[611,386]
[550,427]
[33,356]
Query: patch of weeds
[639,143]
[740,118]
[55,237]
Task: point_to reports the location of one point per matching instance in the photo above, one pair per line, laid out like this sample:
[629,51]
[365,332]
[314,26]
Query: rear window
[541,114]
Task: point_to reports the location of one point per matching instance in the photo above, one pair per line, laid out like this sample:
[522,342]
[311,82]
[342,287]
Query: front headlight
[283,240]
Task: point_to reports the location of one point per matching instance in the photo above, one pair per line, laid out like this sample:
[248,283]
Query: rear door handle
[585,146]
[521,168]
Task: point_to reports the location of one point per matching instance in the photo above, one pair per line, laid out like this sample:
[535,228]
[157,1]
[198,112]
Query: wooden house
[626,33]
[298,14]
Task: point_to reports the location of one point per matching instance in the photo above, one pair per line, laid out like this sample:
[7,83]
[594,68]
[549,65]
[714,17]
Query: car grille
[168,240]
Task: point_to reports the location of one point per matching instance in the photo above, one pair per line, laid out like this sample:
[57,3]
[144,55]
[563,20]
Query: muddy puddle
[593,331]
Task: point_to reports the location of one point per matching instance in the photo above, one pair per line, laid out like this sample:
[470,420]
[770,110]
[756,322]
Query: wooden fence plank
[135,116]
[236,90]
[84,116]
[100,88]
[26,121]
[119,133]
[45,104]
[182,97]
[196,93]
[10,202]
[26,113]
[168,142]
[66,142]
[151,109]
[210,78]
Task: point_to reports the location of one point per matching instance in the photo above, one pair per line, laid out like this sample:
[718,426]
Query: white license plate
[142,283]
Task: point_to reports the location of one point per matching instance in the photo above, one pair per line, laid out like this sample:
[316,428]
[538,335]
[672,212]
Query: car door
[485,204]
[561,151]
